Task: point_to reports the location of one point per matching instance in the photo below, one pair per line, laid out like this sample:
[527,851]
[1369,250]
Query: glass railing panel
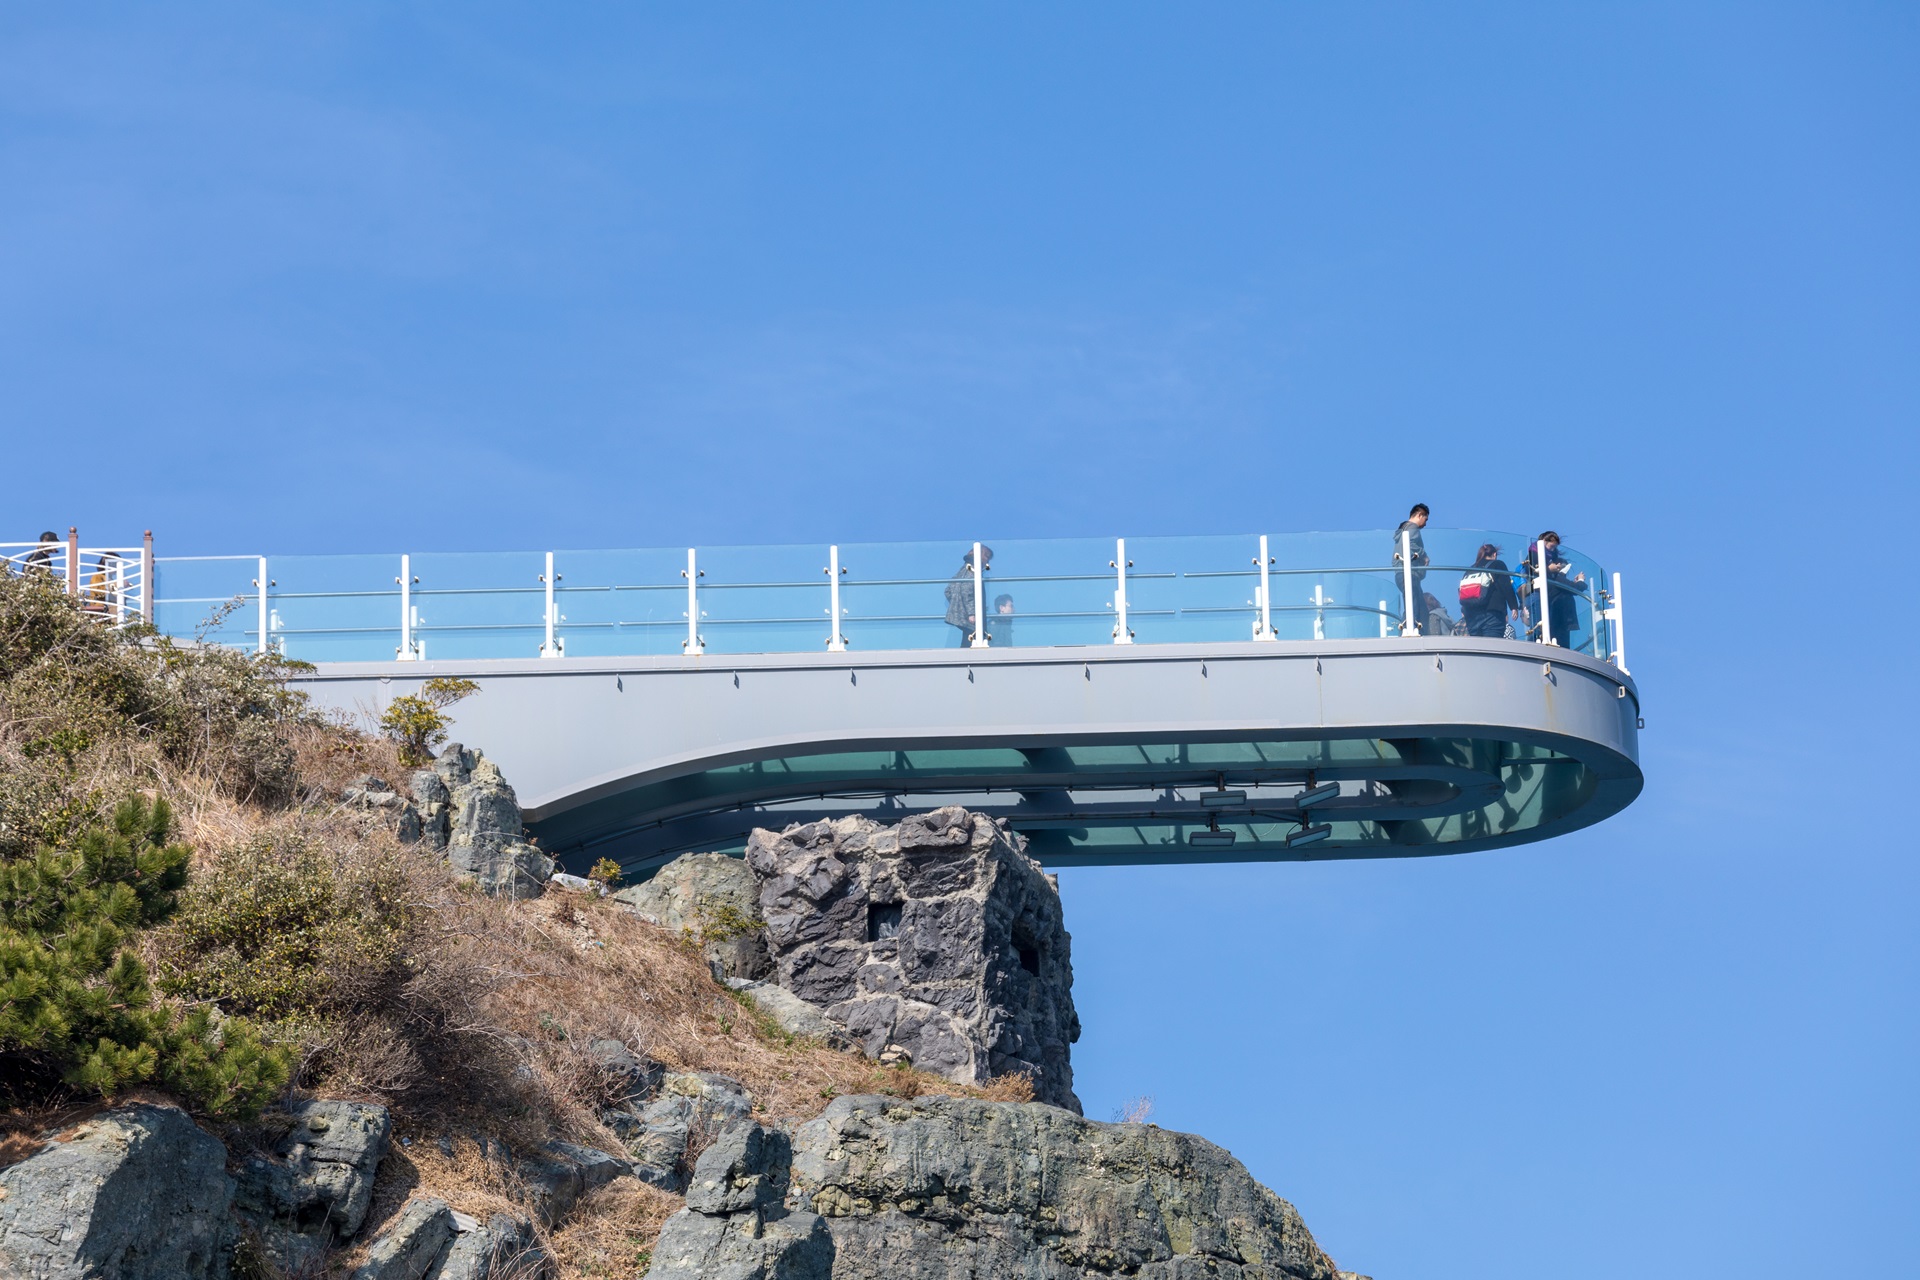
[196,595]
[763,599]
[1589,591]
[1334,586]
[1056,591]
[894,595]
[479,604]
[1182,590]
[336,608]
[629,603]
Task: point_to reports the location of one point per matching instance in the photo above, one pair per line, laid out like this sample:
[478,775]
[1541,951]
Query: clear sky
[393,278]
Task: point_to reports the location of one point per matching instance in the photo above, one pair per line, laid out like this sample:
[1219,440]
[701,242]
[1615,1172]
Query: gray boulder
[943,1188]
[792,1014]
[710,895]
[468,810]
[735,1226]
[316,1185]
[629,1076]
[657,1136]
[937,940]
[413,1245]
[502,1248]
[136,1193]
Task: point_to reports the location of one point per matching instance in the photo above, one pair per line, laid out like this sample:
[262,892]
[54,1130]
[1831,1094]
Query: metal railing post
[551,647]
[73,560]
[836,643]
[406,651]
[1546,607]
[1383,619]
[979,602]
[260,585]
[1407,625]
[146,578]
[1618,617]
[693,643]
[1319,613]
[1264,629]
[1122,634]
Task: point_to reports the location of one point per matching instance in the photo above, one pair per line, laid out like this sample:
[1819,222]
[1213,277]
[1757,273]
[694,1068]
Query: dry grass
[611,1234]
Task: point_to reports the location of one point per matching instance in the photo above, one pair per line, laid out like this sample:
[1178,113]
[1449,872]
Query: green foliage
[720,923]
[76,692]
[606,872]
[283,931]
[74,998]
[418,721]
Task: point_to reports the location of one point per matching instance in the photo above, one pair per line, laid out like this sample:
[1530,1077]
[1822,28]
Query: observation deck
[1152,700]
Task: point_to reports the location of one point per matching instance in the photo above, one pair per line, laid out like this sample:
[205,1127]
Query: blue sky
[423,278]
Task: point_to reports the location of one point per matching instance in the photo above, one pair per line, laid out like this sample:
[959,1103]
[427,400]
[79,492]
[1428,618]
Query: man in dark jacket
[961,606]
[1417,550]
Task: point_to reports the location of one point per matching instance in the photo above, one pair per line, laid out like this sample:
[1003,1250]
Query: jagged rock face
[468,810]
[938,937]
[714,896]
[944,1188]
[736,1225]
[318,1183]
[658,1133]
[137,1193]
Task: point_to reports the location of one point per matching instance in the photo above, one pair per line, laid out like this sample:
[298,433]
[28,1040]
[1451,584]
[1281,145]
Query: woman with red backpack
[1486,594]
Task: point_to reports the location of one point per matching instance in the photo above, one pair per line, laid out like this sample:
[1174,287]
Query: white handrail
[1540,557]
[836,643]
[1263,630]
[1408,627]
[979,603]
[693,643]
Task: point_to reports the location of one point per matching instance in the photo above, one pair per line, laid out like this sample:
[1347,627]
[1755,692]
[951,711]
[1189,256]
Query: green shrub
[418,721]
[284,931]
[75,1001]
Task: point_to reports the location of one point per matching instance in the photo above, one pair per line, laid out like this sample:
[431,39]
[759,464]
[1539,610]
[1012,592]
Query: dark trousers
[1488,624]
[962,636]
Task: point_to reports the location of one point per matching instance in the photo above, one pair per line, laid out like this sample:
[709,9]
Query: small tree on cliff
[418,721]
[74,998]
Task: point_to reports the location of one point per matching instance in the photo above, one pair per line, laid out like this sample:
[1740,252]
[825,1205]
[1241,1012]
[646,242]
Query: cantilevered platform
[1142,700]
[1099,755]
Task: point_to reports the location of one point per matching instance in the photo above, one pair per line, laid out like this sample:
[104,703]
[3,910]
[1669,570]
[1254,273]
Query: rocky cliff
[935,941]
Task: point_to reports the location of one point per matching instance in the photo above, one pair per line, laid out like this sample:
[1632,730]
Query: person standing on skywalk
[1415,549]
[962,604]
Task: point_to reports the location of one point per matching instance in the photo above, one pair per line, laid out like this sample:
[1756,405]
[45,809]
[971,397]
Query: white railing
[114,584]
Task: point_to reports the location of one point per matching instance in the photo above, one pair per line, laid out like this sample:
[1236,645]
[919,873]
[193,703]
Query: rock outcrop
[736,1223]
[468,811]
[658,1133]
[316,1185]
[937,939]
[946,1189]
[717,899]
[137,1193]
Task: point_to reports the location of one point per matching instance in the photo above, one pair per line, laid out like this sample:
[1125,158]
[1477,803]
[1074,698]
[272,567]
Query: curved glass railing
[882,596]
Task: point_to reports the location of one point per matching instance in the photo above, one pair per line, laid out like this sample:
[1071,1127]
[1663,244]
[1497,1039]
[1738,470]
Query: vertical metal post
[979,602]
[1122,634]
[1319,613]
[1264,631]
[1383,619]
[551,647]
[406,653]
[146,578]
[73,560]
[1407,625]
[836,643]
[1618,616]
[260,583]
[1540,564]
[119,590]
[693,643]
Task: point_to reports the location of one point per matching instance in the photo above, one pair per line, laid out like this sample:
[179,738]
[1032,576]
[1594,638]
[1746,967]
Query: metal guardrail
[112,583]
[1323,587]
